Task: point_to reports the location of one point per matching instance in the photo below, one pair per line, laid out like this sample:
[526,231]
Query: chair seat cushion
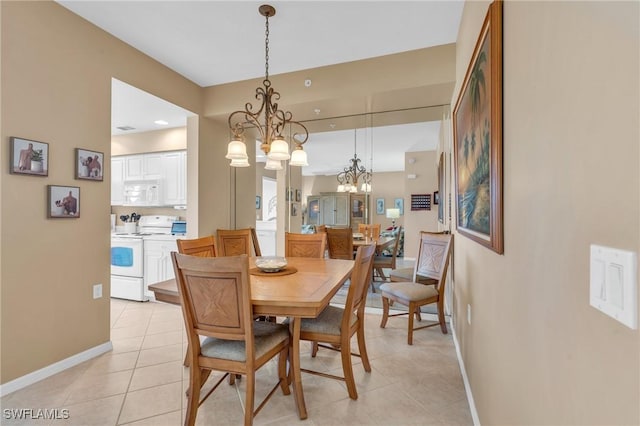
[328,322]
[406,274]
[408,290]
[266,335]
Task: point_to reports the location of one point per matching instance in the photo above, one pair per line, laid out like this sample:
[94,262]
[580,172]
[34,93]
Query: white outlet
[469,314]
[97,291]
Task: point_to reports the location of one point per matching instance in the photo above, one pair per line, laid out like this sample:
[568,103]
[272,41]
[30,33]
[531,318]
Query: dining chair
[434,254]
[232,242]
[203,247]
[321,228]
[340,243]
[406,274]
[389,262]
[305,245]
[233,342]
[369,230]
[335,326]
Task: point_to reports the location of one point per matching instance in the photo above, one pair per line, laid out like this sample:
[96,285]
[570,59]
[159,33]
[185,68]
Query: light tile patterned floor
[142,381]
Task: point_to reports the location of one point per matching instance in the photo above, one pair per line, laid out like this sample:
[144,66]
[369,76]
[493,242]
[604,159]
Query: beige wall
[425,167]
[153,141]
[56,88]
[536,352]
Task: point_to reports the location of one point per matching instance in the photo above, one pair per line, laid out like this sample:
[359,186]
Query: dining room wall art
[398,203]
[380,206]
[89,164]
[63,201]
[28,157]
[477,135]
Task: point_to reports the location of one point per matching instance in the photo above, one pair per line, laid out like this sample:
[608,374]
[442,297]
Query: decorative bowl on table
[271,263]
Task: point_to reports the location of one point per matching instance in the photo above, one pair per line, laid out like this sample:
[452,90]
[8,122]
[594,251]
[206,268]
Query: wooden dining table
[381,242]
[303,294]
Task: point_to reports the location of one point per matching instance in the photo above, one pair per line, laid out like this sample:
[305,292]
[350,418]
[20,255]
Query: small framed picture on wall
[63,201]
[89,164]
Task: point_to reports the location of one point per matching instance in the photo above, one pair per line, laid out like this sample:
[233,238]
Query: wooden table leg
[294,328]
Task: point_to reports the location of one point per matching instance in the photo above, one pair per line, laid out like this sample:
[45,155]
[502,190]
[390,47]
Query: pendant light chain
[266,49]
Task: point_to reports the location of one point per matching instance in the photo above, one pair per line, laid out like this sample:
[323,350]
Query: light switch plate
[613,287]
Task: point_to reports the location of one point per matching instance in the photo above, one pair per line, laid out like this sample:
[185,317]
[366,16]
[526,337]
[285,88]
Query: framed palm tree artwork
[477,135]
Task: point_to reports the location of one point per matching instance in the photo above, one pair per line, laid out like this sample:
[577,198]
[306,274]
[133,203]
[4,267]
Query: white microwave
[142,193]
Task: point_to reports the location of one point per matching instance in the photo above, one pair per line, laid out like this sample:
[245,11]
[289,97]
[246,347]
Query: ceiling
[193,38]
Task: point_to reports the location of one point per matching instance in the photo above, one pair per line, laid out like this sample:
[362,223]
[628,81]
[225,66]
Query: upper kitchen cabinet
[144,166]
[175,178]
[117,181]
[165,172]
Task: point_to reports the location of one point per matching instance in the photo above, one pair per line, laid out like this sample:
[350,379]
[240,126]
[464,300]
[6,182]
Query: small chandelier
[349,178]
[269,120]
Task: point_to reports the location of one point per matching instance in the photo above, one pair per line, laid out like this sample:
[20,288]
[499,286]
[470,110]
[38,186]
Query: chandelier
[269,120]
[348,179]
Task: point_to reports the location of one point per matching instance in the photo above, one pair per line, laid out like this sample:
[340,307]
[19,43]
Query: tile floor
[142,381]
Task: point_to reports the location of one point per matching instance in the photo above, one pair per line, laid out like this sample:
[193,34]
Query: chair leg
[385,312]
[249,398]
[347,368]
[418,314]
[412,308]
[193,396]
[381,274]
[282,370]
[443,324]
[362,347]
[314,349]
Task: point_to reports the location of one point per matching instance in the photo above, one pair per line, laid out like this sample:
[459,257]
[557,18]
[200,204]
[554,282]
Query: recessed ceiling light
[161,122]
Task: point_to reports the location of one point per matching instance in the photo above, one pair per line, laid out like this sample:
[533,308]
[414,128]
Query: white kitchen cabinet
[157,261]
[175,178]
[117,181]
[143,166]
[168,169]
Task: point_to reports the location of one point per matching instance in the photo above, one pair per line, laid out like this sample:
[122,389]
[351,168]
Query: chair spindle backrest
[370,230]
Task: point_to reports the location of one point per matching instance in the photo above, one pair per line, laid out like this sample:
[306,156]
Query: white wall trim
[465,379]
[54,368]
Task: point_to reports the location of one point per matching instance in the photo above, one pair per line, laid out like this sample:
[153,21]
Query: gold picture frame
[477,135]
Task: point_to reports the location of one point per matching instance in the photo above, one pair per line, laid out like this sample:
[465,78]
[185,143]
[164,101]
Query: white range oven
[128,256]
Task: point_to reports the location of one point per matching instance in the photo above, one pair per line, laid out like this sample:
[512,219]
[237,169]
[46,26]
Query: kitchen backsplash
[146,211]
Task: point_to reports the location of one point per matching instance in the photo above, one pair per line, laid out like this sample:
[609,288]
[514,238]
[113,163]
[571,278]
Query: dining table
[302,290]
[381,242]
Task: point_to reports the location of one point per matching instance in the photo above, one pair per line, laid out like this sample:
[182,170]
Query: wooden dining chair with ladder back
[305,245]
[381,262]
[340,243]
[335,326]
[232,242]
[233,343]
[434,254]
[203,247]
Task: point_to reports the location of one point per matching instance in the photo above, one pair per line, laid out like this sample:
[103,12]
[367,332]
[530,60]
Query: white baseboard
[54,368]
[467,387]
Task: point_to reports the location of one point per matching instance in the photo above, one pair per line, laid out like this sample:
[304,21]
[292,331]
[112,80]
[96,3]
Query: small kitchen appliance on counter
[127,255]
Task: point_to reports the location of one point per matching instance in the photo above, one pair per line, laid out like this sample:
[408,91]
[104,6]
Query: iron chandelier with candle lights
[270,121]
[348,179]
